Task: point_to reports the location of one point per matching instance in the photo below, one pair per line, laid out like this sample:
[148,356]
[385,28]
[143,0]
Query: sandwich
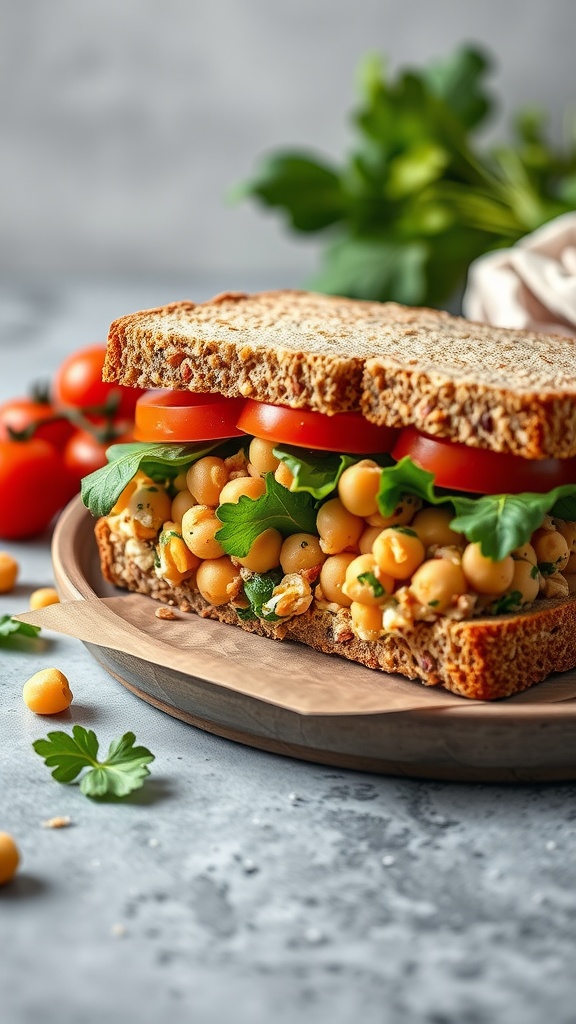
[395,486]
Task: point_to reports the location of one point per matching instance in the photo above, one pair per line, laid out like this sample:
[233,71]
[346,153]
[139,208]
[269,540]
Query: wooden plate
[501,742]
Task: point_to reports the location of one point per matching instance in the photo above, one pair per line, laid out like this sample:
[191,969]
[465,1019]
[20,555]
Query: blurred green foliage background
[418,198]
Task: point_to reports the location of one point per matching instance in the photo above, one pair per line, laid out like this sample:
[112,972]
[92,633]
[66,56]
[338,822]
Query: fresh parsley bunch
[416,200]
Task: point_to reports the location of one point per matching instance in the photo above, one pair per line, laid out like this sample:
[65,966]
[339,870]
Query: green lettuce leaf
[101,489]
[278,508]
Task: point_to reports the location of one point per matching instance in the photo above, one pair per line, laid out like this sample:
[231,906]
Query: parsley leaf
[101,489]
[11,627]
[247,518]
[123,771]
[370,580]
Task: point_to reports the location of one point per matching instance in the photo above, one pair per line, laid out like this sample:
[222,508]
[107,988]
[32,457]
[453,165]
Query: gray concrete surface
[125,125]
[243,886]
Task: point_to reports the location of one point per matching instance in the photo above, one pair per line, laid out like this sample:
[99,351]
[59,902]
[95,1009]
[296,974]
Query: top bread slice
[504,390]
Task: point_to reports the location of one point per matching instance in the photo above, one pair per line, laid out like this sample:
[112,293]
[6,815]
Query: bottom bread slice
[483,659]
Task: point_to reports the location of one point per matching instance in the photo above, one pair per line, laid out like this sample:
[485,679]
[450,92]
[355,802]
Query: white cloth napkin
[531,285]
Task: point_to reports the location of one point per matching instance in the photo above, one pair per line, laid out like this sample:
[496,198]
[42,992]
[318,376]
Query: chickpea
[47,692]
[284,476]
[264,553]
[484,575]
[43,597]
[180,504]
[402,515]
[551,549]
[199,529]
[358,487]
[571,563]
[299,552]
[366,620]
[526,580]
[568,531]
[367,538]
[398,551]
[149,506]
[206,478]
[338,528]
[333,577]
[433,527]
[179,482]
[437,582]
[252,487]
[526,553]
[9,569]
[261,456]
[9,858]
[177,562]
[365,582]
[217,580]
[139,480]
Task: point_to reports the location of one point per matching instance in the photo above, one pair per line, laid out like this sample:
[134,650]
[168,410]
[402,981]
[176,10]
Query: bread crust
[504,390]
[482,659]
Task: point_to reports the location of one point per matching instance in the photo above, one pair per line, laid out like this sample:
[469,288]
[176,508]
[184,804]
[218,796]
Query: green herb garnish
[370,580]
[123,771]
[507,603]
[10,627]
[258,589]
[278,508]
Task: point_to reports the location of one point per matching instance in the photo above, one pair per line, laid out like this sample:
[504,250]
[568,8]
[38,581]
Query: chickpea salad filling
[271,528]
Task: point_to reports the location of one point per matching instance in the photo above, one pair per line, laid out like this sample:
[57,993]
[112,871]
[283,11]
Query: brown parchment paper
[285,673]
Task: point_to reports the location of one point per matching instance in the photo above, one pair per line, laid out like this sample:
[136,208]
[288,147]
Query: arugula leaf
[101,489]
[11,627]
[258,589]
[316,473]
[278,508]
[502,522]
[498,522]
[404,478]
[123,771]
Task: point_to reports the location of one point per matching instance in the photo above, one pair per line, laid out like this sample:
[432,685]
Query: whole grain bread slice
[483,659]
[504,390]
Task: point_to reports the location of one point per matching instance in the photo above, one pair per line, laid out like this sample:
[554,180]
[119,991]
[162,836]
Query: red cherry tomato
[344,432]
[33,487]
[460,468]
[20,414]
[85,453]
[78,383]
[183,416]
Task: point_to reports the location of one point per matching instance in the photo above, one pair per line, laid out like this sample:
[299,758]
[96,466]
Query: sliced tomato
[182,416]
[460,468]
[344,432]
